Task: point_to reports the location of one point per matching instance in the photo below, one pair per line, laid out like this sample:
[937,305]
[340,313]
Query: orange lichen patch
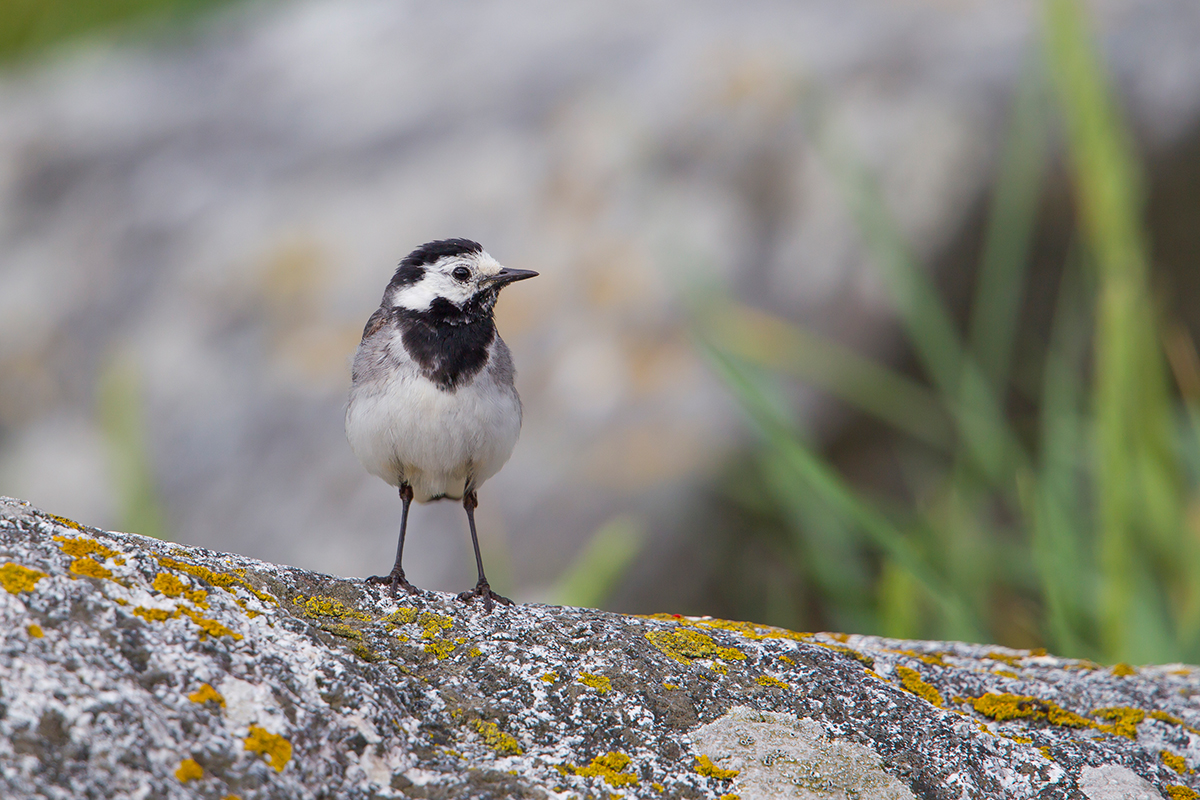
[189,770]
[598,682]
[911,680]
[1007,673]
[277,749]
[787,660]
[15,578]
[767,680]
[84,546]
[684,645]
[1182,793]
[610,767]
[206,694]
[719,668]
[1124,720]
[1045,751]
[1175,762]
[168,584]
[200,598]
[550,677]
[1123,670]
[730,797]
[1020,739]
[707,768]
[496,739]
[36,631]
[670,686]
[89,568]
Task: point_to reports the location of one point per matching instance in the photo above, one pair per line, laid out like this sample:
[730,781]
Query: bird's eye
[461,273]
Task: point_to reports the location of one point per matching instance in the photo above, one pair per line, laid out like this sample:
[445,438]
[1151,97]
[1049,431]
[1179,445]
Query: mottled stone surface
[136,668]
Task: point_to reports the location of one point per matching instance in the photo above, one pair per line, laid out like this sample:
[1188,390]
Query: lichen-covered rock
[136,668]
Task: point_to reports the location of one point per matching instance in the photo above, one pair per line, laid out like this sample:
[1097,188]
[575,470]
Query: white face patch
[439,281]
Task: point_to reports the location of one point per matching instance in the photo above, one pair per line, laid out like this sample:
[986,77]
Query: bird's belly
[410,431]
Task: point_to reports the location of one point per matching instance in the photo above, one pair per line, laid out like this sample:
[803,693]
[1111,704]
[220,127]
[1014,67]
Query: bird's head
[448,278]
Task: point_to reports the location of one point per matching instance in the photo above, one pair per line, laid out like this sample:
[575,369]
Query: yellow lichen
[1175,762]
[658,787]
[365,653]
[331,607]
[1123,670]
[36,631]
[684,645]
[720,668]
[767,680]
[200,598]
[168,584]
[1007,673]
[189,770]
[670,686]
[474,652]
[864,659]
[911,680]
[1045,751]
[16,578]
[432,624]
[1007,658]
[730,796]
[1021,739]
[218,579]
[550,677]
[209,627]
[787,660]
[89,568]
[277,749]
[1182,793]
[66,523]
[154,614]
[495,738]
[1124,720]
[206,694]
[84,546]
[440,648]
[598,682]
[402,616]
[610,767]
[706,767]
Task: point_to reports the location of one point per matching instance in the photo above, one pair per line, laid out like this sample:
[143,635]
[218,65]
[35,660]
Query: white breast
[404,428]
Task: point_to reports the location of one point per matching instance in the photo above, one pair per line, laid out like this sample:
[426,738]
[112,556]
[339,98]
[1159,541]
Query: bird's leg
[396,576]
[482,589]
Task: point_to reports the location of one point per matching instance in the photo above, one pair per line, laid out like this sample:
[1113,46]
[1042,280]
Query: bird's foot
[490,598]
[394,579]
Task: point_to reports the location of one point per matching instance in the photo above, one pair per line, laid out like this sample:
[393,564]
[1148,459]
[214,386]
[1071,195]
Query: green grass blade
[809,468]
[591,578]
[763,339]
[999,286]
[1139,508]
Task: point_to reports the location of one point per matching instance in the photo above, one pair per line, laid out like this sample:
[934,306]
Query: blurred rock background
[197,217]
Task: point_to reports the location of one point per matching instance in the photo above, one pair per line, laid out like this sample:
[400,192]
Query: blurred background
[876,317]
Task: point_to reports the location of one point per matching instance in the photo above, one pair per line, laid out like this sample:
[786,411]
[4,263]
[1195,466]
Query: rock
[138,668]
[220,213]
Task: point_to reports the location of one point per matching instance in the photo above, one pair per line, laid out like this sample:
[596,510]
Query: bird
[433,408]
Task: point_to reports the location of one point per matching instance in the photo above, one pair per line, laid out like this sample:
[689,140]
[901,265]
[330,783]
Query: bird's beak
[506,276]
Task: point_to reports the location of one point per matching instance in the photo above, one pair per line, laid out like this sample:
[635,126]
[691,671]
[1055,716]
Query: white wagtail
[433,409]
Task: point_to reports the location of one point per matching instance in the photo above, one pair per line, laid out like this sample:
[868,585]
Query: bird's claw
[393,579]
[490,598]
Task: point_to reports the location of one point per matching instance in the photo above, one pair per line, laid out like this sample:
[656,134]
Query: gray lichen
[132,667]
